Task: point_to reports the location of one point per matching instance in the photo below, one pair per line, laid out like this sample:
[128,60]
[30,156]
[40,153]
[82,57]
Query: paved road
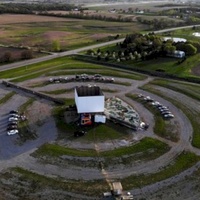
[55,55]
[75,51]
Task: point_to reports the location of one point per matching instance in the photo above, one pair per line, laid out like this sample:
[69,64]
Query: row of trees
[8,56]
[160,23]
[23,8]
[81,15]
[145,47]
[155,43]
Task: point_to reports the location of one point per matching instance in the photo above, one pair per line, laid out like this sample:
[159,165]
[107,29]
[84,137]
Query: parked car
[12,123]
[168,116]
[164,110]
[14,115]
[79,133]
[13,112]
[97,75]
[12,119]
[11,127]
[165,113]
[13,132]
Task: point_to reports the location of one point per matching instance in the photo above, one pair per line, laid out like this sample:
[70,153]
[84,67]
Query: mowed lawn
[39,32]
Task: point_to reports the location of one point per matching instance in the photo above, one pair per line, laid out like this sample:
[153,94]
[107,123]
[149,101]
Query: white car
[13,132]
[13,119]
[169,116]
[14,115]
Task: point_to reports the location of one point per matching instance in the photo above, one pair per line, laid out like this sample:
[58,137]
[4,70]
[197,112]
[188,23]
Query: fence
[38,94]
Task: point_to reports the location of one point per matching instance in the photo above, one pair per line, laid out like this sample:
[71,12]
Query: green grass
[143,146]
[56,151]
[80,33]
[7,97]
[162,127]
[170,66]
[35,70]
[191,114]
[189,89]
[101,133]
[181,163]
[185,33]
[67,66]
[40,183]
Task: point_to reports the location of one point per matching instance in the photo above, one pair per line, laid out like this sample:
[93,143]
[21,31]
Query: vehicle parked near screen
[79,133]
[10,119]
[12,132]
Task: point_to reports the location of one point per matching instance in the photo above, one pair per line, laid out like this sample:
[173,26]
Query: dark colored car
[12,123]
[79,133]
[11,127]
[13,112]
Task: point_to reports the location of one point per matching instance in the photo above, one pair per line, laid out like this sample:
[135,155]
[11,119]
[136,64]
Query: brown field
[39,32]
[12,19]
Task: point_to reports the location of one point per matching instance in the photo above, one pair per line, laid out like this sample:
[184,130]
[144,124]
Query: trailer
[100,119]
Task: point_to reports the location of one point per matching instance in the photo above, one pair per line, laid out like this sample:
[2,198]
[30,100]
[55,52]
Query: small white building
[89,99]
[176,54]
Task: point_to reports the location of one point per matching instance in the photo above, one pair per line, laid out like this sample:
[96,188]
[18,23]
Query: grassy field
[143,146]
[189,89]
[39,32]
[186,33]
[181,163]
[36,182]
[63,66]
[7,97]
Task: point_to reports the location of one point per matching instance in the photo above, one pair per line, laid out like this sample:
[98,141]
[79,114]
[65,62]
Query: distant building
[176,54]
[89,99]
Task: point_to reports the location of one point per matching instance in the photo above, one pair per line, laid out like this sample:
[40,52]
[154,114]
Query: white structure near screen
[89,99]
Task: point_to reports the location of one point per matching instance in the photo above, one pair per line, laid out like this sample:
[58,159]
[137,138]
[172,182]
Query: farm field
[39,32]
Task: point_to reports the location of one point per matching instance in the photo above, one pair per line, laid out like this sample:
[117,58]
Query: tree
[56,46]
[190,49]
[27,54]
[7,56]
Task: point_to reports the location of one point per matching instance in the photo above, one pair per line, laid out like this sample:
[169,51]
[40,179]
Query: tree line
[24,8]
[10,56]
[138,46]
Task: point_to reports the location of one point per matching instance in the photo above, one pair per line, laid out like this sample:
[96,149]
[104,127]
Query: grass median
[184,161]
[7,97]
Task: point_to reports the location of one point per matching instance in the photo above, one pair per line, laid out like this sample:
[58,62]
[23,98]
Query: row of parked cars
[82,77]
[13,119]
[12,127]
[164,110]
